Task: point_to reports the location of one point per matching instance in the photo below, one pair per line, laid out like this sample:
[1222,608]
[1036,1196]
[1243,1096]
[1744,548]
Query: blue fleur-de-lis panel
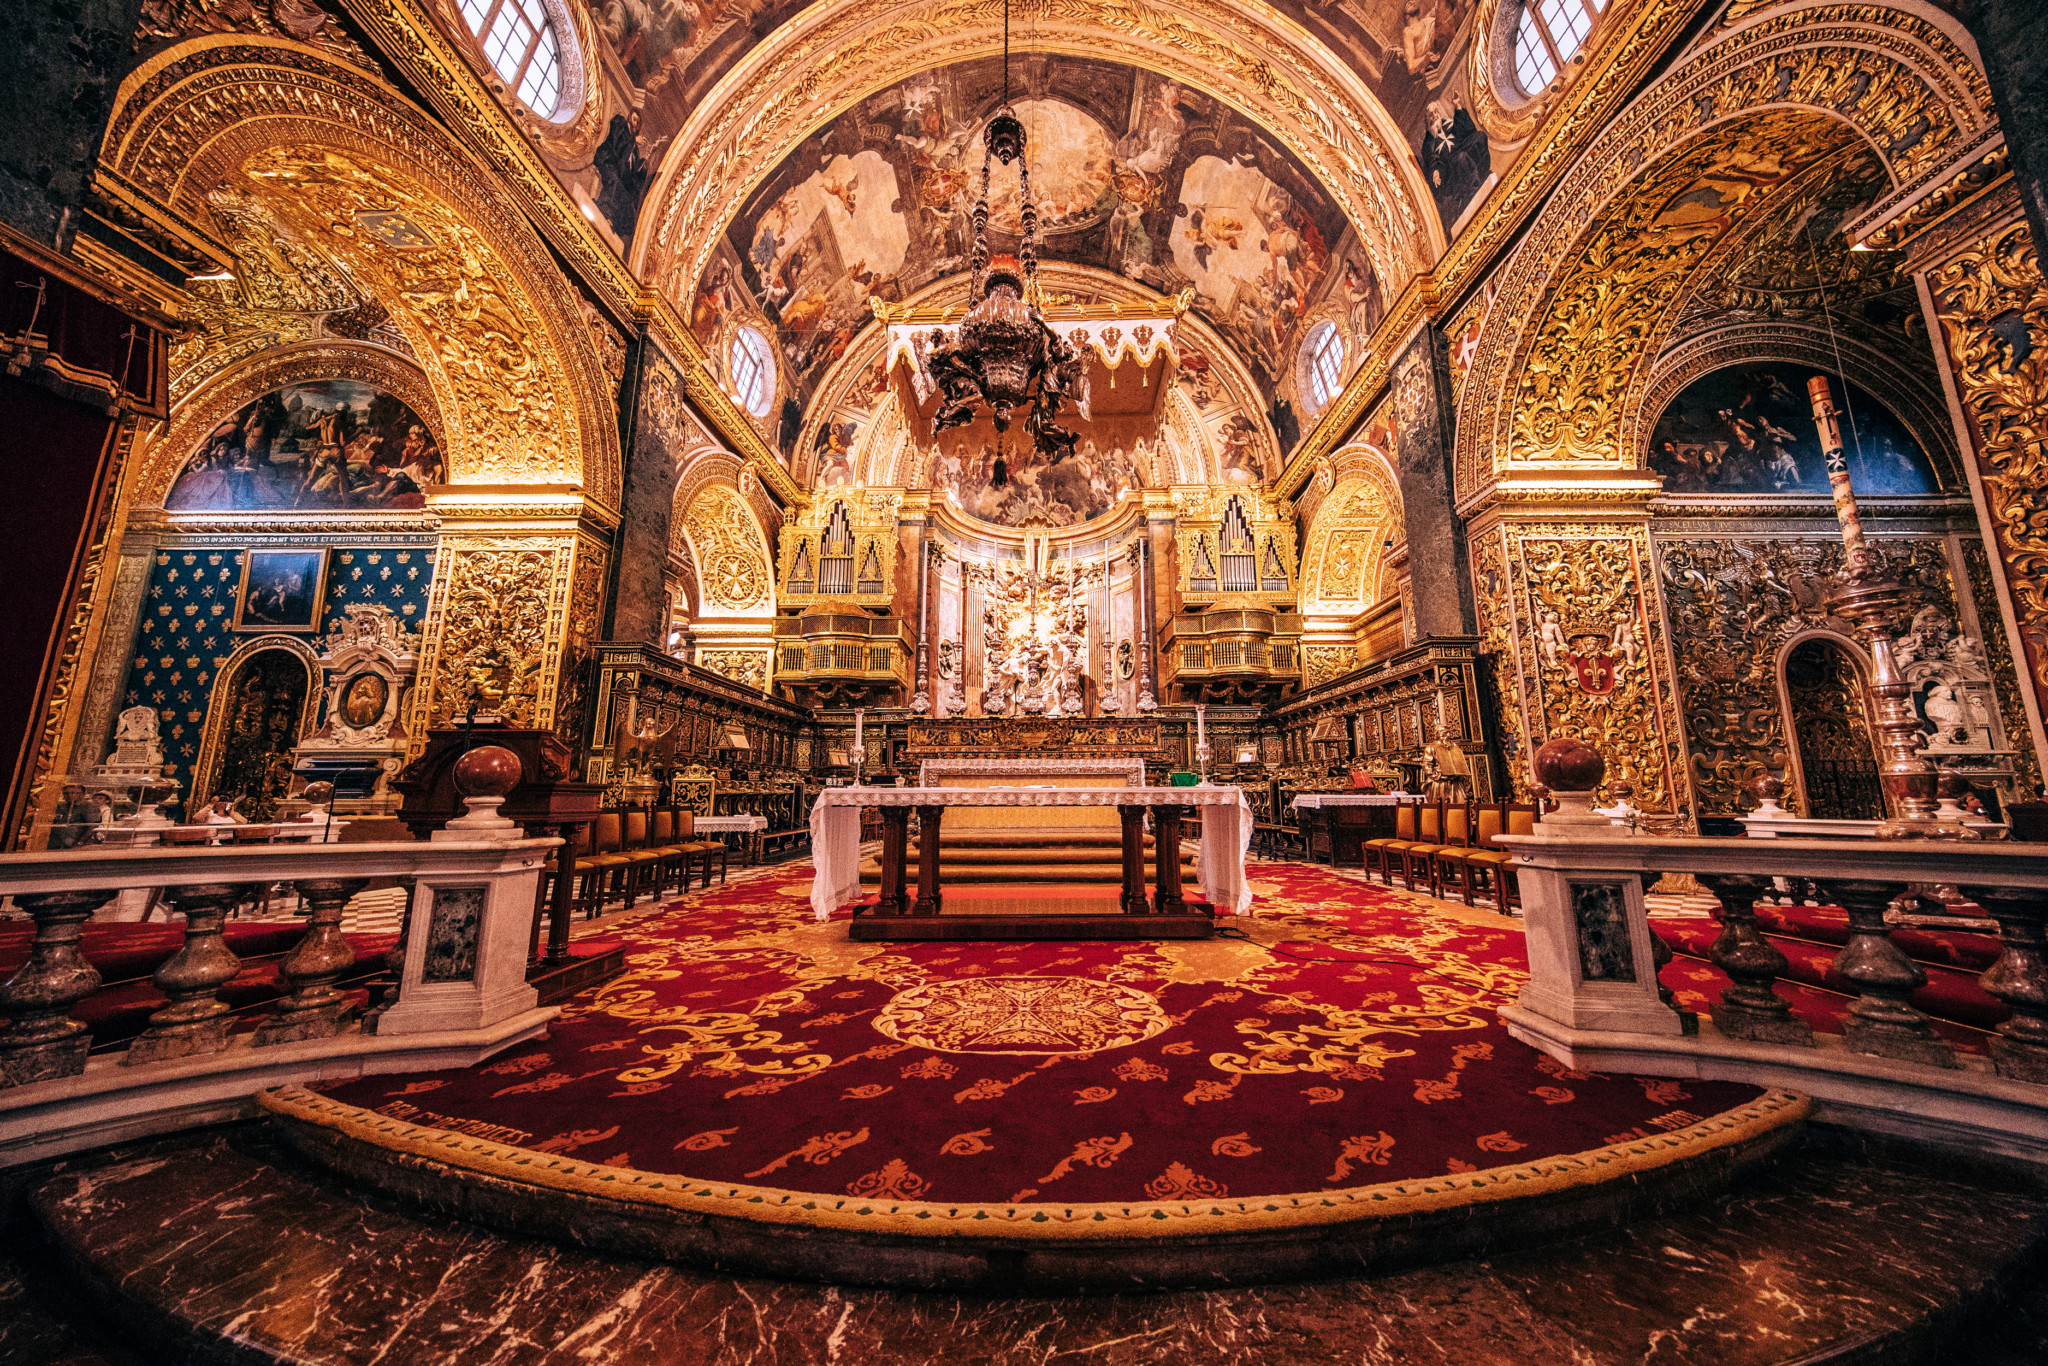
[184,637]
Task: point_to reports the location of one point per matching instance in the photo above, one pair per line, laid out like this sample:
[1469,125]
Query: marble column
[1881,1021]
[2012,42]
[1749,1008]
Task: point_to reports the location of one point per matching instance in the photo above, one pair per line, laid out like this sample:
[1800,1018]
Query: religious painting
[319,446]
[364,699]
[1750,429]
[281,591]
[1134,174]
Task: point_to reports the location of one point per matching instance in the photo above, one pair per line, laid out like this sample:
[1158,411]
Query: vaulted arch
[345,169]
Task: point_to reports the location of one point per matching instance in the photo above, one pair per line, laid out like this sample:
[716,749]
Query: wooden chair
[1381,853]
[663,841]
[1429,837]
[1455,867]
[600,859]
[1498,864]
[698,854]
[645,863]
[1457,842]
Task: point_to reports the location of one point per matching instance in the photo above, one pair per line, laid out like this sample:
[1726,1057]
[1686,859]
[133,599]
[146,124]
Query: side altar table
[1165,913]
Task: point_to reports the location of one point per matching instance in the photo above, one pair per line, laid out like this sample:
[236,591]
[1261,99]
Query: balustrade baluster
[2019,978]
[40,1040]
[315,1009]
[196,1020]
[387,986]
[1881,1020]
[1749,1008]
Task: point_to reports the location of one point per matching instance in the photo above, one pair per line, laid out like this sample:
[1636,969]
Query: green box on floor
[1182,779]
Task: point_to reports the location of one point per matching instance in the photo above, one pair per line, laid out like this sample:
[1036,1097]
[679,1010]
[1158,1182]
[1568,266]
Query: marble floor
[256,1259]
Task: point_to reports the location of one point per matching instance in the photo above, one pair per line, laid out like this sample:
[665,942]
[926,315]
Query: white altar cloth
[720,825]
[835,830]
[1315,801]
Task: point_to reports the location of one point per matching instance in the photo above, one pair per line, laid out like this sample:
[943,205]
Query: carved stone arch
[835,53]
[162,454]
[1921,410]
[735,570]
[220,706]
[1900,79]
[346,164]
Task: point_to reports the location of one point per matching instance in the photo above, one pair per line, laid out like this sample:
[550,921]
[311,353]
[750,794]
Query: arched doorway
[261,710]
[1837,765]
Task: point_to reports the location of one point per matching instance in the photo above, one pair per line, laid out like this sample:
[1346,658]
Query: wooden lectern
[548,801]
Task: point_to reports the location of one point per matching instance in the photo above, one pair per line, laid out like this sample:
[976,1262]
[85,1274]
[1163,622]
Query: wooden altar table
[1163,914]
[1335,826]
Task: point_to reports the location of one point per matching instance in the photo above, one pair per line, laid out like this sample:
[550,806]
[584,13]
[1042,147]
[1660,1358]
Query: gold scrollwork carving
[1993,305]
[494,630]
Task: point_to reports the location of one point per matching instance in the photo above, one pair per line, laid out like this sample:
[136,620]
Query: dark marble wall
[63,60]
[639,606]
[1423,414]
[2012,42]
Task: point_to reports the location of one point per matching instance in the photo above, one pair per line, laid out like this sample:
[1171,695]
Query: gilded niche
[732,561]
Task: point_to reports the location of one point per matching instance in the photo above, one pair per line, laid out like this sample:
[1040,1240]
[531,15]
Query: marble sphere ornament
[1569,764]
[488,771]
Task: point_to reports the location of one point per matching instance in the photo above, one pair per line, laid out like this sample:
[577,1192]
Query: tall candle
[859,750]
[1201,726]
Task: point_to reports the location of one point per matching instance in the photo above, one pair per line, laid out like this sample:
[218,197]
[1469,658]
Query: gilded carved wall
[1993,306]
[1897,78]
[495,629]
[1586,641]
[1735,602]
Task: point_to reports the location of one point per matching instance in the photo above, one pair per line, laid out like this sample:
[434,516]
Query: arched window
[1324,351]
[753,371]
[1549,34]
[519,41]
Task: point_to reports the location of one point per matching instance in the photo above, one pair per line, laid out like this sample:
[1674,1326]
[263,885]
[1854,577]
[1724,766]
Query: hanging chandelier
[1005,356]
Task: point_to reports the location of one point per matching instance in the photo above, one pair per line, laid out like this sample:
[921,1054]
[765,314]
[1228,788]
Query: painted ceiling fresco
[332,443]
[1134,173]
[1750,429]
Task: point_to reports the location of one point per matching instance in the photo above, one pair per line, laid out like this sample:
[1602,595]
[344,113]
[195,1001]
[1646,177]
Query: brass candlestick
[1873,603]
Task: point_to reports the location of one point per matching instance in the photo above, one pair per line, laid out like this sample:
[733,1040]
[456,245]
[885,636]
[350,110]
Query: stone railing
[455,992]
[1594,999]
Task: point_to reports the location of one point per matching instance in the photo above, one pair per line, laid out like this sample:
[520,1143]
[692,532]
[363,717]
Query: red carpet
[748,1043]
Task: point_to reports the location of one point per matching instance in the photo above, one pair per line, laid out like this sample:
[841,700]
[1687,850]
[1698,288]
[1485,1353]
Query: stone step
[224,1248]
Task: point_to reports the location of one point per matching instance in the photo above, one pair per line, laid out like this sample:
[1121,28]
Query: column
[1424,414]
[2012,42]
[40,1040]
[929,898]
[315,1009]
[1133,900]
[1166,898]
[895,836]
[196,1020]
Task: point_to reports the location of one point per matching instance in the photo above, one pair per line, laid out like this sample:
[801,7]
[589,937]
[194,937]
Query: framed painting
[282,590]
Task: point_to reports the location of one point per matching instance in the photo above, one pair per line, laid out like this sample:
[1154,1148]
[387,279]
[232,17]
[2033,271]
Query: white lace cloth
[1226,830]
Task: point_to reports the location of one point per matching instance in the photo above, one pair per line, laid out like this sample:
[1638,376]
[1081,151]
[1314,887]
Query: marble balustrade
[1594,999]
[456,984]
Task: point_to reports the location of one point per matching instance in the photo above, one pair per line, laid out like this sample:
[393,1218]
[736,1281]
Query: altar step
[1025,858]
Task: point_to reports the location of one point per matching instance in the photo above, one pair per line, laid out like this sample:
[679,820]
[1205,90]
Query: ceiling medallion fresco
[1142,177]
